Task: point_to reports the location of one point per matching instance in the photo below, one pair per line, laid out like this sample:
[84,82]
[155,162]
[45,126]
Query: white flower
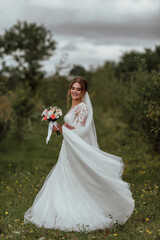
[44,112]
[49,113]
[59,112]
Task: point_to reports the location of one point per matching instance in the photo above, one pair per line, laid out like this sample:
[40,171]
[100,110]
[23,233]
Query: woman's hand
[68,126]
[58,128]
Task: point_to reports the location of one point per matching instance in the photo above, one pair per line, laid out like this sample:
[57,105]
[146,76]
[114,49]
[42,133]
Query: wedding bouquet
[51,114]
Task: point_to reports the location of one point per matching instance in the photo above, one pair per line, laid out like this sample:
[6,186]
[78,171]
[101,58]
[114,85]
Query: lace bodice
[77,116]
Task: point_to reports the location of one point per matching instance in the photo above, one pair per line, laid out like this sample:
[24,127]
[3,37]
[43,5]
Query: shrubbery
[5,117]
[129,88]
[141,103]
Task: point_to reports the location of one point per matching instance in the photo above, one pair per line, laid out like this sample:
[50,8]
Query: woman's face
[76,92]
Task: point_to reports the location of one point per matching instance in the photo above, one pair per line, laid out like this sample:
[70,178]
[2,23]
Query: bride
[84,191]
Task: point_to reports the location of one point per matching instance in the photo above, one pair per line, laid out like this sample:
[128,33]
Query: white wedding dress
[84,191]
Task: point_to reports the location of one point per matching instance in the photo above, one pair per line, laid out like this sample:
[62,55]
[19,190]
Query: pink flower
[45,118]
[53,116]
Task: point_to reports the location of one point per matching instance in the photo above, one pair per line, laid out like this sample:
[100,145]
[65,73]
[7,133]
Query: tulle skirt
[84,191]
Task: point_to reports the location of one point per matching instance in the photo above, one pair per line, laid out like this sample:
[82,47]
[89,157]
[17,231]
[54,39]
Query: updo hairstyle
[82,82]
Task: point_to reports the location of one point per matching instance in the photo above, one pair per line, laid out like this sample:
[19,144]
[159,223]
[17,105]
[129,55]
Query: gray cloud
[110,33]
[70,47]
[106,28]
[116,27]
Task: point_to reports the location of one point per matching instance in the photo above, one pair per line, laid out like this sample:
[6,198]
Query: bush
[105,89]
[53,91]
[141,103]
[5,112]
[22,104]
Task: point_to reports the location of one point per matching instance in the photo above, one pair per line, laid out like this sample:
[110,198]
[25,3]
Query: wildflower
[147,219]
[10,165]
[6,213]
[115,234]
[16,232]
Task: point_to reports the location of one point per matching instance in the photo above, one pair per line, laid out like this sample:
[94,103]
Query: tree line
[132,85]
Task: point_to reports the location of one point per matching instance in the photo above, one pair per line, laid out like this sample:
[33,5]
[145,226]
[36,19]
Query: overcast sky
[89,32]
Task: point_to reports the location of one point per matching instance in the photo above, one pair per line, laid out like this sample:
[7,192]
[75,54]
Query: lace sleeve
[81,114]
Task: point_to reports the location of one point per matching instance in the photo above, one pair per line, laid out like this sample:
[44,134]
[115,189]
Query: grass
[25,165]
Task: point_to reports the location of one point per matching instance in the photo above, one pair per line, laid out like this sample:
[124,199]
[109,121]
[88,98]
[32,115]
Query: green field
[25,164]
[126,102]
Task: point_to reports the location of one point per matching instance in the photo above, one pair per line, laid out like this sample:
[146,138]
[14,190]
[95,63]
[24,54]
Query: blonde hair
[82,82]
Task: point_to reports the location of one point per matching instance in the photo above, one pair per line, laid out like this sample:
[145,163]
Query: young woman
[84,191]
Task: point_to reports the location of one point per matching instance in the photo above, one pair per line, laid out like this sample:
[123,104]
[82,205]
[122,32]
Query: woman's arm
[81,115]
[68,126]
[59,128]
